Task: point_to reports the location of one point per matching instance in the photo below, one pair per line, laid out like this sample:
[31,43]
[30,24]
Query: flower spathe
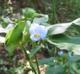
[37,32]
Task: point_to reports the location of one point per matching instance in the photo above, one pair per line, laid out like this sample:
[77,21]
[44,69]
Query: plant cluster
[32,33]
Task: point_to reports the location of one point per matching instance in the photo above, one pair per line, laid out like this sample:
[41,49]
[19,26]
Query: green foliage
[57,69]
[29,13]
[59,38]
[14,36]
[47,61]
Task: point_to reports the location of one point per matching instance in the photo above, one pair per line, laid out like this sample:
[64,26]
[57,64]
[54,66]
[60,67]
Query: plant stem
[28,57]
[54,14]
[37,64]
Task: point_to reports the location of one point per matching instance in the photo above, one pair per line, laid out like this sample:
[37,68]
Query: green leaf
[74,58]
[47,61]
[62,27]
[57,69]
[58,28]
[14,35]
[65,42]
[74,68]
[77,21]
[5,21]
[11,49]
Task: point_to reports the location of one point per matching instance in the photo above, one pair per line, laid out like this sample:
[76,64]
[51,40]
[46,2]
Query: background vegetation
[54,55]
[61,10]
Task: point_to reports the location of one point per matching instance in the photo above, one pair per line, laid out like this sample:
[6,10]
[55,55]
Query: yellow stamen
[37,35]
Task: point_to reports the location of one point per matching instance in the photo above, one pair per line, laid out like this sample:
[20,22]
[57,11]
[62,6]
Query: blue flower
[60,53]
[37,32]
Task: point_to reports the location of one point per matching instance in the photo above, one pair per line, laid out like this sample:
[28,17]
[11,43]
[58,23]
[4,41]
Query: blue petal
[34,28]
[43,31]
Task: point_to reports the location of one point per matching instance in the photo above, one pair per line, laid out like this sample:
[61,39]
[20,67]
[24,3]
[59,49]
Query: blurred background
[58,10]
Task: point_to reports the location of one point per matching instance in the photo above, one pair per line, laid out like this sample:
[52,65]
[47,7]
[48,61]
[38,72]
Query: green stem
[28,57]
[37,64]
[54,14]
